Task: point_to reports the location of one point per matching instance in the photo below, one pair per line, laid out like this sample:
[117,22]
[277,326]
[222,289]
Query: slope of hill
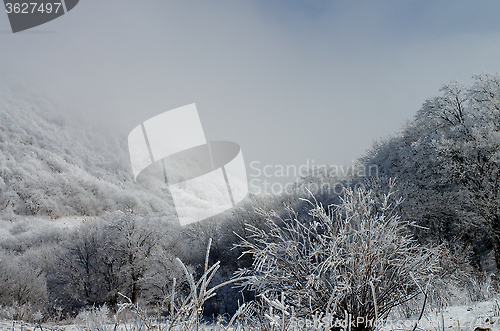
[53,165]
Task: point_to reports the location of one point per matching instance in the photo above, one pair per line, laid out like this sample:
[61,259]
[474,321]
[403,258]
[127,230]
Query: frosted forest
[83,246]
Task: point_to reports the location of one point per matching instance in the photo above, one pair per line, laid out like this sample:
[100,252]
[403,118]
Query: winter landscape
[84,245]
[392,222]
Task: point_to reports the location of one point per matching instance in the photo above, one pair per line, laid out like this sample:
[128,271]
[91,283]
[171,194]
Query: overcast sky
[288,80]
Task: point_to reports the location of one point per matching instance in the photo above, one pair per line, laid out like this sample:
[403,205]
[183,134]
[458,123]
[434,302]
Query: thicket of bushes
[357,257]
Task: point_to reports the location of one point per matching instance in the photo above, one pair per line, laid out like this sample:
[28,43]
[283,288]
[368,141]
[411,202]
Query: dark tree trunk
[496,239]
[475,259]
[496,249]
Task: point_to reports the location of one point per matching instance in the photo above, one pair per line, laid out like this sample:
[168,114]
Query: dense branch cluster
[331,264]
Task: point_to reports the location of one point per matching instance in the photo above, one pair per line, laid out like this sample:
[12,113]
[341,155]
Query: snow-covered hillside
[56,165]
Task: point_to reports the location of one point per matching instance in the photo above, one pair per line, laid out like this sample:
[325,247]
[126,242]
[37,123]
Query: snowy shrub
[118,253]
[94,319]
[178,312]
[458,282]
[25,312]
[22,286]
[355,258]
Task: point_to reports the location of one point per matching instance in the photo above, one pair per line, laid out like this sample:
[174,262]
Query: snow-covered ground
[69,221]
[481,316]
[484,315]
[6,325]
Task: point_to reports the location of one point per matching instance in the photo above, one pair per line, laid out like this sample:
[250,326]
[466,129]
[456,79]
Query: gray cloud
[286,81]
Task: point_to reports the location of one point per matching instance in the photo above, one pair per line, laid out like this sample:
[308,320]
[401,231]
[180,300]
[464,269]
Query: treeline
[60,270]
[447,166]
